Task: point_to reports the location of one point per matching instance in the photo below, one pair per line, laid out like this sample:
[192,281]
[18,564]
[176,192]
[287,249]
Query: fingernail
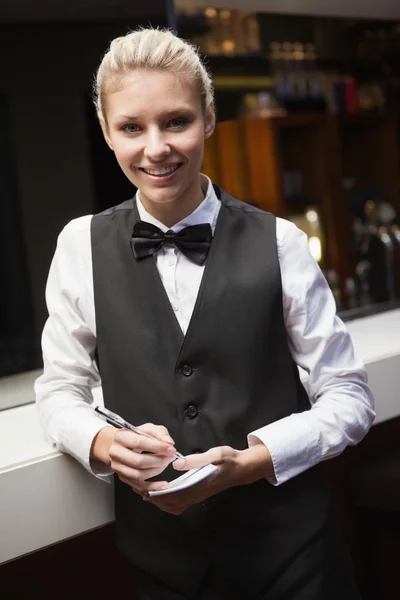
[171,451]
[179,463]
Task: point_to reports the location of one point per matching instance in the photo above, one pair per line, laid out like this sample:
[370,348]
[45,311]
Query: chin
[162,195]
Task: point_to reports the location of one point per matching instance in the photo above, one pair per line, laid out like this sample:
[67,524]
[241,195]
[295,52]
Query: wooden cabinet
[249,159]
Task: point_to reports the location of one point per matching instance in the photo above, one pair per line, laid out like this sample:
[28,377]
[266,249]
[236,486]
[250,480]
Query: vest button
[187,370]
[205,503]
[191,411]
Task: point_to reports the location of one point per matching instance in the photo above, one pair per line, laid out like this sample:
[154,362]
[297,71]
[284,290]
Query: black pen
[117,421]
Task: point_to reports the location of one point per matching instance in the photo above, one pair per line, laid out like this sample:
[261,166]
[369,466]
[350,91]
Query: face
[156,128]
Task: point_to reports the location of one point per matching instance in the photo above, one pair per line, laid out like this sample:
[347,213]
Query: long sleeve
[342,406]
[64,391]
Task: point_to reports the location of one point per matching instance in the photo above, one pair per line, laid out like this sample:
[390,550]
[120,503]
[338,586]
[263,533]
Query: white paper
[186,480]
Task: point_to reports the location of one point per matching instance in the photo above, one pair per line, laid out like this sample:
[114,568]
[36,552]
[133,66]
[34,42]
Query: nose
[157,146]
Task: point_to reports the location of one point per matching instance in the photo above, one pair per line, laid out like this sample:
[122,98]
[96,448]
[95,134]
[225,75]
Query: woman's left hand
[235,467]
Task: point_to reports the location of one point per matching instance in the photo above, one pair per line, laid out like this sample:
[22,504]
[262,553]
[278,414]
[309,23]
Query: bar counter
[47,497]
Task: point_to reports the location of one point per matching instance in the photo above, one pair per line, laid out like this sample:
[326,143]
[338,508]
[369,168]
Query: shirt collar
[206,212]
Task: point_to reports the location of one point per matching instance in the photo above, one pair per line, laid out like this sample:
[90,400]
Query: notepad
[186,480]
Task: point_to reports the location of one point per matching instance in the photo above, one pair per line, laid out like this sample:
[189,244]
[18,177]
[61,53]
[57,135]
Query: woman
[198,333]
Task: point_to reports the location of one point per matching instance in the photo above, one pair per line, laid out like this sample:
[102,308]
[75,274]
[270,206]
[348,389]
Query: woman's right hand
[127,455]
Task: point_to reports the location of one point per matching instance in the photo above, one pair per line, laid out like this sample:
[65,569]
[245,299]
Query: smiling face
[156,128]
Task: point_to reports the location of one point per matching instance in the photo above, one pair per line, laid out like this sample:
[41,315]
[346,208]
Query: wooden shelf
[370,153]
[364,117]
[246,64]
[303,119]
[242,82]
[248,158]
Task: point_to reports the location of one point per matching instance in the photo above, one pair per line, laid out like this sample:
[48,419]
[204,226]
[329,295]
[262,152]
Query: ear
[209,123]
[104,129]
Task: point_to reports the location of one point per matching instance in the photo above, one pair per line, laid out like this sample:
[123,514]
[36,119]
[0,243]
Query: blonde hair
[155,49]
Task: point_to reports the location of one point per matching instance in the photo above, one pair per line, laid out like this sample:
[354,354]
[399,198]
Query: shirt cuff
[77,438]
[100,470]
[293,446]
[96,467]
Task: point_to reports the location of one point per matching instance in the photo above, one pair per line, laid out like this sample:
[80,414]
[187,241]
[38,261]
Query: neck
[170,213]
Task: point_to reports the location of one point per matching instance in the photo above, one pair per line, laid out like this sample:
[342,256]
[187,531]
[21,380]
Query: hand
[125,452]
[235,467]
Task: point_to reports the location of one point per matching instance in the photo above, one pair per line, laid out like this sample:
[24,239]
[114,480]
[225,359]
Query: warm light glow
[314,246]
[369,206]
[312,216]
[210,13]
[225,14]
[298,55]
[228,45]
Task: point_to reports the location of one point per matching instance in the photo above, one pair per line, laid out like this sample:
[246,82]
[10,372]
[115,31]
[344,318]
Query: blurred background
[307,109]
[307,101]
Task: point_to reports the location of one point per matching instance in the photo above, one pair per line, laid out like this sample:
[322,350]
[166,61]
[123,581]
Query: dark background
[55,165]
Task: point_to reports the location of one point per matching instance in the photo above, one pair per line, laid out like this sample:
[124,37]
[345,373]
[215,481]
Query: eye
[130,128]
[178,122]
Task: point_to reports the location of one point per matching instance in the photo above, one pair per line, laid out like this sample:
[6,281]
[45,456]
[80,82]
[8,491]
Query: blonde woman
[197,308]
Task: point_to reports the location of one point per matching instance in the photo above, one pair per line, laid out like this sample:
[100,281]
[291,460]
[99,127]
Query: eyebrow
[166,114]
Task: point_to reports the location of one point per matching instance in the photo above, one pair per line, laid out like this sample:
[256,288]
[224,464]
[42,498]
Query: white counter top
[46,497]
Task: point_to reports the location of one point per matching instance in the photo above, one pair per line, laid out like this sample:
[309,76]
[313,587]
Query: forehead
[148,92]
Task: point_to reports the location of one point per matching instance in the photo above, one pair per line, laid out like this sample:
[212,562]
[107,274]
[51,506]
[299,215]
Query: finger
[195,461]
[158,431]
[134,476]
[144,488]
[141,443]
[136,460]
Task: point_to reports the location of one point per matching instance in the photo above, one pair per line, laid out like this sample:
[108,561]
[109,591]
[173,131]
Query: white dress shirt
[342,407]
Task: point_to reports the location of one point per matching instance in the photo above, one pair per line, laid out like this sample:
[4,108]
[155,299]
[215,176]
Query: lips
[161,171]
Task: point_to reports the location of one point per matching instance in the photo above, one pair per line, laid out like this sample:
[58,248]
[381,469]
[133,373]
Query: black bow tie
[194,242]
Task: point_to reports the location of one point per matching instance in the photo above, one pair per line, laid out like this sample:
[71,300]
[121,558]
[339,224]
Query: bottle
[211,44]
[252,33]
[394,232]
[228,43]
[362,271]
[375,250]
[289,72]
[387,241]
[300,74]
[276,59]
[387,215]
[351,292]
[333,282]
[314,83]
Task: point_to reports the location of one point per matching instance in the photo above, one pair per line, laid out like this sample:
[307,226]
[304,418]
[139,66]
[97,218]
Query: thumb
[194,461]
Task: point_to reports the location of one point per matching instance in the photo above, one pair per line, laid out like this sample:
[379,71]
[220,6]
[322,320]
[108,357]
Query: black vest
[233,368]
